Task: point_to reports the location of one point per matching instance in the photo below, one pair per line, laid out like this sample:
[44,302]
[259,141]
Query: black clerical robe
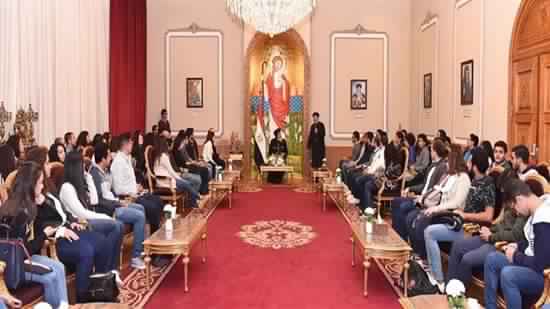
[316,144]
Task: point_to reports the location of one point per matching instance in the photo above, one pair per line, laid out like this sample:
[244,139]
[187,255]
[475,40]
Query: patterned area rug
[249,188]
[277,234]
[134,291]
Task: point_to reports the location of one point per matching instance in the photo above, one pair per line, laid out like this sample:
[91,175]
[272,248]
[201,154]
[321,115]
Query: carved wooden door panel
[544,109]
[524,115]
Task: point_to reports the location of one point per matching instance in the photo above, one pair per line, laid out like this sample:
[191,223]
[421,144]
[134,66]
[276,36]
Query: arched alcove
[286,107]
[529,79]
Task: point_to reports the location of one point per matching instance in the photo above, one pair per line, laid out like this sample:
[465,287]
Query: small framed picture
[428,90]
[358,94]
[194,92]
[467,83]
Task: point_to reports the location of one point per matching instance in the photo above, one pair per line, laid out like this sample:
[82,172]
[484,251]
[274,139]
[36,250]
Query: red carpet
[239,275]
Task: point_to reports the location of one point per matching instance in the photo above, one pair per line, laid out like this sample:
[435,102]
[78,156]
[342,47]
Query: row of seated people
[95,193]
[471,190]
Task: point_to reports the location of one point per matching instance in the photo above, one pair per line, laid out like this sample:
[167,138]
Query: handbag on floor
[14,254]
[419,283]
[103,288]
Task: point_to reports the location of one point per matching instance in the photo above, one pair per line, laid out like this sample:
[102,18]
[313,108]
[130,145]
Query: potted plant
[338,175]
[456,291]
[368,215]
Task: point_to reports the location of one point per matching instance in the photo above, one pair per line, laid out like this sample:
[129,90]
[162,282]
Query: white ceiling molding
[194,31]
[359,33]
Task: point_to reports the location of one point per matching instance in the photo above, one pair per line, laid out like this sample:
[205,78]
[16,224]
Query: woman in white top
[77,194]
[209,153]
[163,167]
[451,191]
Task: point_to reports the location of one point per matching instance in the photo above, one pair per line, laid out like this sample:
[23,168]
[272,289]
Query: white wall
[479,30]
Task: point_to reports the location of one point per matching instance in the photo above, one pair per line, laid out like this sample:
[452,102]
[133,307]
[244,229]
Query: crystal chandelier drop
[271,16]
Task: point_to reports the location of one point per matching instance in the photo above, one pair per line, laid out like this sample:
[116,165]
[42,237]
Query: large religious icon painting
[276,101]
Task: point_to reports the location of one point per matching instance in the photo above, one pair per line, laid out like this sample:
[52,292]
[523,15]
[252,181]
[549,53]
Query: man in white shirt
[125,184]
[376,166]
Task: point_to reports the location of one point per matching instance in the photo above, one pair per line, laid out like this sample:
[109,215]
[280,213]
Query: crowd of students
[101,189]
[447,188]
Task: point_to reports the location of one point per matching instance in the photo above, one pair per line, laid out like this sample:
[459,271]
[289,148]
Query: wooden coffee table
[100,306]
[220,190]
[283,169]
[335,191]
[321,176]
[384,244]
[187,231]
[235,175]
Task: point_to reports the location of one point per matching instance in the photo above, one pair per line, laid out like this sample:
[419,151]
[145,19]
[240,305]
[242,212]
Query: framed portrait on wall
[194,92]
[358,94]
[428,90]
[467,83]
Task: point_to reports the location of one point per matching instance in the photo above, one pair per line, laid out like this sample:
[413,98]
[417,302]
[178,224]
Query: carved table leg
[186,261]
[324,201]
[204,239]
[352,251]
[366,265]
[147,260]
[230,197]
[406,276]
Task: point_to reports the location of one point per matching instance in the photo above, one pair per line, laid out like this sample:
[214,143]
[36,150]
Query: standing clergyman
[316,141]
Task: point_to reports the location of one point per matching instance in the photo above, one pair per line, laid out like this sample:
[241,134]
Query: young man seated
[520,162]
[473,142]
[375,166]
[500,151]
[469,253]
[127,213]
[355,150]
[519,271]
[353,169]
[402,206]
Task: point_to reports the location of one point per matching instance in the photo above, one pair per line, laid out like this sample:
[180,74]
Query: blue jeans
[515,281]
[183,185]
[112,230]
[193,179]
[54,283]
[134,215]
[432,235]
[400,207]
[467,254]
[89,251]
[3,304]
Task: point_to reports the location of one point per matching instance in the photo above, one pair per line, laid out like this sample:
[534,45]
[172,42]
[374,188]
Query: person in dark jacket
[278,147]
[164,124]
[316,141]
[183,160]
[519,271]
[18,216]
[192,146]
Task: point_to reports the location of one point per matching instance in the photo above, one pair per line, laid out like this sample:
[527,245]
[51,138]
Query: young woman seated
[76,246]
[19,213]
[210,153]
[78,194]
[162,166]
[57,153]
[183,160]
[478,207]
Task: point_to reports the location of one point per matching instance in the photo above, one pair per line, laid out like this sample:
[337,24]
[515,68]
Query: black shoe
[161,261]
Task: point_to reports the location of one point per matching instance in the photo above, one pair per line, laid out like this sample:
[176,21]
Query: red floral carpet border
[134,291]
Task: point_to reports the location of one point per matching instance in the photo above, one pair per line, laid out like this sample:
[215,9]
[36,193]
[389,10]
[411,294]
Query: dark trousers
[112,231]
[369,189]
[88,251]
[400,208]
[203,173]
[467,254]
[153,209]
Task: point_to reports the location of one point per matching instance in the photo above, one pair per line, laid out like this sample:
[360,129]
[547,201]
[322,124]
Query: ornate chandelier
[271,16]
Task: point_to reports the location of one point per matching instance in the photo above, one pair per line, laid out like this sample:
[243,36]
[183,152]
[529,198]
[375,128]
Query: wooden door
[524,102]
[544,110]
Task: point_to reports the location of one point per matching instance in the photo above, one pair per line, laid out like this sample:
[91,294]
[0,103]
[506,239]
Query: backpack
[419,283]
